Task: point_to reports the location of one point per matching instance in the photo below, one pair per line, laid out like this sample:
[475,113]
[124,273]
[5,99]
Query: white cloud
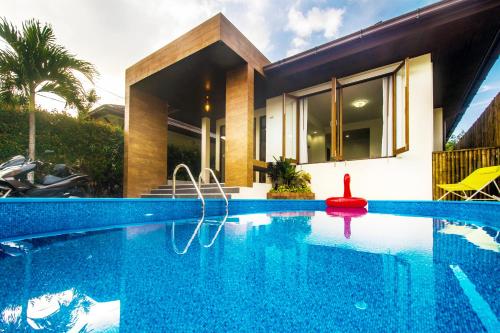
[316,20]
[326,21]
[299,42]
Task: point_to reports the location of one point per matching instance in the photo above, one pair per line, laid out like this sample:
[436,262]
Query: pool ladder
[198,186]
[200,196]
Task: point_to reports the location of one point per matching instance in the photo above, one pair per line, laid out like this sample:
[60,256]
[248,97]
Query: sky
[114,34]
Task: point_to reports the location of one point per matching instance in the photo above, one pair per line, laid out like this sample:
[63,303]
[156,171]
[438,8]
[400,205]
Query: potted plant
[288,183]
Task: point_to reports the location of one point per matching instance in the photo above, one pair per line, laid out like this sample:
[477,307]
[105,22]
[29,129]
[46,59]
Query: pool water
[280,271]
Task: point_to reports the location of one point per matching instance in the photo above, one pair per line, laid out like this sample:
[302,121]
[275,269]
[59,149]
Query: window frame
[297,128]
[406,147]
[336,87]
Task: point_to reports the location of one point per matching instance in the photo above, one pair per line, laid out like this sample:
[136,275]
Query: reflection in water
[347,214]
[67,311]
[201,221]
[279,271]
[483,237]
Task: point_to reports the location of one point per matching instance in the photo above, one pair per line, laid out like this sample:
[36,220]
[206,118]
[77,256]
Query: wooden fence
[453,166]
[485,132]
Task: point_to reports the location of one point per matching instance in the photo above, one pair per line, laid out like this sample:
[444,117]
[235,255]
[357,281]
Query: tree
[87,104]
[453,141]
[32,63]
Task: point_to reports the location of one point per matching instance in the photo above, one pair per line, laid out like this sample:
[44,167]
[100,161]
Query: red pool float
[347,201]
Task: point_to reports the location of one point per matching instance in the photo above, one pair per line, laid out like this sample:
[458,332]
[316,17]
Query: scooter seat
[50,179]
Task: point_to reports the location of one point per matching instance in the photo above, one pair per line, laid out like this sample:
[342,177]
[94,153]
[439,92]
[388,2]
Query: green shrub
[286,178]
[186,155]
[92,148]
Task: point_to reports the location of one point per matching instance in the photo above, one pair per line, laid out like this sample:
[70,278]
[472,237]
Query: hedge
[92,148]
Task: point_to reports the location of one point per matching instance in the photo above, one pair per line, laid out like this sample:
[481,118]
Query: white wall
[407,176]
[257,191]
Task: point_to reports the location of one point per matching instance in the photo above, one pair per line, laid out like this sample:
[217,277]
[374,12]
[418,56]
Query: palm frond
[9,33]
[34,62]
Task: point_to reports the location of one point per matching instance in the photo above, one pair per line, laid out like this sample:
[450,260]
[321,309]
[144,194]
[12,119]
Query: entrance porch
[210,78]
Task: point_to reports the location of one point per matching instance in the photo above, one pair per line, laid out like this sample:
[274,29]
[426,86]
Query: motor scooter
[61,183]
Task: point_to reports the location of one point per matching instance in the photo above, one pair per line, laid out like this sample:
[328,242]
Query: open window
[362,116]
[401,109]
[372,113]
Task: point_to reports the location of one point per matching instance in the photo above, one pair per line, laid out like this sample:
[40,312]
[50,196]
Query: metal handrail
[192,180]
[217,182]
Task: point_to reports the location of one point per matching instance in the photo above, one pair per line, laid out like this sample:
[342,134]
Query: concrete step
[184,196]
[185,185]
[192,190]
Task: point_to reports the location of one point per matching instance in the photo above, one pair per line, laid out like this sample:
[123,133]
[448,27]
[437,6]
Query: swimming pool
[279,266]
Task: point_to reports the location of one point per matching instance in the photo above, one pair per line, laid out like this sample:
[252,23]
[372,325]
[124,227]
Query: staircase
[187,190]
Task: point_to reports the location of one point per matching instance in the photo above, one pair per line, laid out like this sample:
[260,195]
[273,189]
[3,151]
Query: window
[358,117]
[366,119]
[262,138]
[222,154]
[315,130]
[379,105]
[401,121]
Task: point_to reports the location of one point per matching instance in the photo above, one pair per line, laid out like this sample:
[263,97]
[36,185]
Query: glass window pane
[367,119]
[262,138]
[315,131]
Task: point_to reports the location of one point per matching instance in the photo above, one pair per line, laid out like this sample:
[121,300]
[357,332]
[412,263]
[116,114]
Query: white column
[205,147]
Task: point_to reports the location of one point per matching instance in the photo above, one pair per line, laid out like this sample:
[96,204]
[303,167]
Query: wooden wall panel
[198,38]
[239,126]
[485,132]
[145,164]
[217,28]
[233,38]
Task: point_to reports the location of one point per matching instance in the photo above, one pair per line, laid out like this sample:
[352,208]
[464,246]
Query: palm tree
[32,63]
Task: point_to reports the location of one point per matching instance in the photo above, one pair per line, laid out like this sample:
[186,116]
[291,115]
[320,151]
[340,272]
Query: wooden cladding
[485,132]
[333,122]
[404,68]
[145,163]
[450,167]
[239,126]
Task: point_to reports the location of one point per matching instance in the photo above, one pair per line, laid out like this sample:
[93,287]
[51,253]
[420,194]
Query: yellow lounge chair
[476,181]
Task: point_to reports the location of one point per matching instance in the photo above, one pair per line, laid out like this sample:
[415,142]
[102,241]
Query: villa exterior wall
[406,176]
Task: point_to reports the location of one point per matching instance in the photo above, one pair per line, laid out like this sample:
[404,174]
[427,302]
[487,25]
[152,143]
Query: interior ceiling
[458,48]
[371,91]
[185,84]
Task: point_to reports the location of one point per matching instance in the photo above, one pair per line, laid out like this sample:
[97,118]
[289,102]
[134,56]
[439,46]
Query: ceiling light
[347,136]
[207,107]
[315,132]
[359,103]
